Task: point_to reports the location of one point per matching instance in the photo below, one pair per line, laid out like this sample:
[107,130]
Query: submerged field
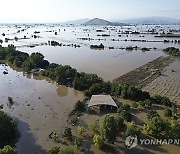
[41,106]
[114,60]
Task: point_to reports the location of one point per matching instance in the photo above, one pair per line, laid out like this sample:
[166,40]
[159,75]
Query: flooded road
[40,107]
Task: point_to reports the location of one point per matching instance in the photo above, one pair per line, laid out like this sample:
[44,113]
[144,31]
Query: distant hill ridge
[151,20]
[98,21]
[102,22]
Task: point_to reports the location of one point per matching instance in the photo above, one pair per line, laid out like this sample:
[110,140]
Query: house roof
[101,100]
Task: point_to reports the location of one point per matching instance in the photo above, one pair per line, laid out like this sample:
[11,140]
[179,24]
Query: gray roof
[101,100]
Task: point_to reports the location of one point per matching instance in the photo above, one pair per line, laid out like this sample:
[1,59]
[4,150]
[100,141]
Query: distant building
[102,102]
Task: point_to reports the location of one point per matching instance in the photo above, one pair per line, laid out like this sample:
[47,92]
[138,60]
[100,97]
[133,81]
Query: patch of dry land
[159,77]
[146,73]
[167,84]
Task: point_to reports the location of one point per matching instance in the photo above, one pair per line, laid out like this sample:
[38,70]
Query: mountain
[99,22]
[102,22]
[79,21]
[151,20]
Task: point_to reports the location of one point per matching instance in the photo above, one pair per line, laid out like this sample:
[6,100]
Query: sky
[63,10]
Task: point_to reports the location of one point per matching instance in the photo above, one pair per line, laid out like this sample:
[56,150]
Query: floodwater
[108,63]
[40,106]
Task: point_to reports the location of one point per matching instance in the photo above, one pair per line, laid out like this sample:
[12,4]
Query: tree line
[91,84]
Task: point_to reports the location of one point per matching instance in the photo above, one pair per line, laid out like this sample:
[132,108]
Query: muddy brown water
[108,64]
[40,107]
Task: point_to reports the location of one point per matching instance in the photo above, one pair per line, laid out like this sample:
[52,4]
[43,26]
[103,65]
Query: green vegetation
[108,129]
[123,112]
[68,133]
[172,51]
[98,141]
[8,150]
[54,150]
[80,105]
[162,100]
[65,75]
[21,59]
[55,138]
[151,114]
[8,130]
[80,130]
[132,129]
[58,150]
[94,127]
[168,112]
[135,104]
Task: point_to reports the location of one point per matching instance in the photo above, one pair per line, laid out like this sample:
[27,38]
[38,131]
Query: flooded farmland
[74,50]
[40,105]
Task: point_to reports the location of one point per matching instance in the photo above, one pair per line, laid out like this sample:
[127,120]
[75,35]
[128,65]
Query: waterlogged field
[114,60]
[41,106]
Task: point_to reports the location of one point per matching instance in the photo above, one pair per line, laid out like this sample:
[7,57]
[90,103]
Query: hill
[99,22]
[151,20]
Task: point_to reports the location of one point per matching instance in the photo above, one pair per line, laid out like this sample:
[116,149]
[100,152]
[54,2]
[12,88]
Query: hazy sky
[63,10]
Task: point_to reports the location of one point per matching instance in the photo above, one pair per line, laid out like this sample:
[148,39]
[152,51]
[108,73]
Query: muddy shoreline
[145,74]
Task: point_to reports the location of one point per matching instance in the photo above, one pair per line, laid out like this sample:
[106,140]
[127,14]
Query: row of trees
[21,59]
[172,51]
[161,127]
[8,130]
[89,83]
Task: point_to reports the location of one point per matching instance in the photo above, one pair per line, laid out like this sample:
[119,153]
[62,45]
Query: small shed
[99,102]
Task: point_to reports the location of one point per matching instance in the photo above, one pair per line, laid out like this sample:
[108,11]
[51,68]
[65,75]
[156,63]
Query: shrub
[135,104]
[151,114]
[168,112]
[98,141]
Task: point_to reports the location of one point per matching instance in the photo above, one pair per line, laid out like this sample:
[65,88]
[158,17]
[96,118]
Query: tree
[8,130]
[135,104]
[77,141]
[123,107]
[80,105]
[80,130]
[175,128]
[147,103]
[168,112]
[68,133]
[123,112]
[54,150]
[120,123]
[157,125]
[157,99]
[146,128]
[94,127]
[108,129]
[132,129]
[66,150]
[8,150]
[98,141]
[55,137]
[73,119]
[151,114]
[166,101]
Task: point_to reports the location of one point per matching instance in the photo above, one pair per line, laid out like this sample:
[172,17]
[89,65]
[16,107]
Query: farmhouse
[102,102]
